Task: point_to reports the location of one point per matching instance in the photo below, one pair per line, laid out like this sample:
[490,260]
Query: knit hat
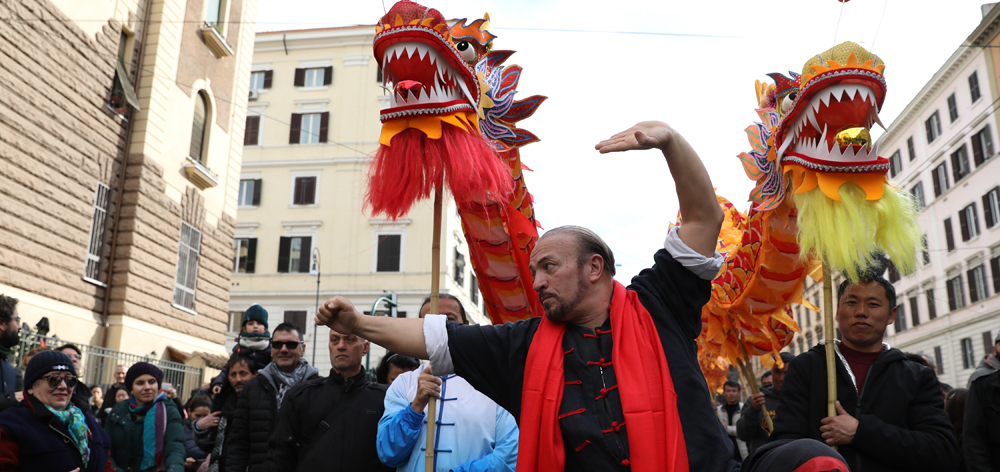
[255,313]
[45,362]
[141,368]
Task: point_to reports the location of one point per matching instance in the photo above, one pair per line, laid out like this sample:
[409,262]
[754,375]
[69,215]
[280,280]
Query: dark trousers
[795,455]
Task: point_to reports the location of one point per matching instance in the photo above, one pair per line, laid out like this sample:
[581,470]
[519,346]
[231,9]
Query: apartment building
[302,232]
[942,149]
[121,127]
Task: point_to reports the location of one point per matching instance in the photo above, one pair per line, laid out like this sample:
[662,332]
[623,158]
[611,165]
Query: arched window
[198,125]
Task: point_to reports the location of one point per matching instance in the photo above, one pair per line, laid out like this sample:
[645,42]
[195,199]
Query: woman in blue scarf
[146,432]
[47,430]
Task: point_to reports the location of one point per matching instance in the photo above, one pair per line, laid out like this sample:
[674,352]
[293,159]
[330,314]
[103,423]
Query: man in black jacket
[258,403]
[10,335]
[981,428]
[750,427]
[210,431]
[332,423]
[890,411]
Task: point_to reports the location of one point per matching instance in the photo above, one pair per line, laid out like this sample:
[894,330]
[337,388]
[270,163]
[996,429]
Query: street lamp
[315,270]
[391,301]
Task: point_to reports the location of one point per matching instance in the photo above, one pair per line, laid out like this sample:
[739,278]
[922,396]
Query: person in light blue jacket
[472,432]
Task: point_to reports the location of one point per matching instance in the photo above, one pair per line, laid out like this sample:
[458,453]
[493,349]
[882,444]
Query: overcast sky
[607,65]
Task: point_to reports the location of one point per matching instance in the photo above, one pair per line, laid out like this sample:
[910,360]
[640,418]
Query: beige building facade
[302,229]
[121,127]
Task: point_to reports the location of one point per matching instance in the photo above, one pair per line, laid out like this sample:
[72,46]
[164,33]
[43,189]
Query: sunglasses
[277,345]
[55,380]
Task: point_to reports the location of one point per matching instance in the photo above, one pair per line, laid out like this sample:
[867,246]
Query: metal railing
[98,364]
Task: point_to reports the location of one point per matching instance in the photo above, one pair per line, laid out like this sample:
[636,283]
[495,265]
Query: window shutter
[951,295]
[324,125]
[388,253]
[284,252]
[949,235]
[300,77]
[268,75]
[973,293]
[930,132]
[309,192]
[328,75]
[915,311]
[257,183]
[956,169]
[937,183]
[251,255]
[295,129]
[977,148]
[987,139]
[305,254]
[250,135]
[974,224]
[297,191]
[995,267]
[378,76]
[963,223]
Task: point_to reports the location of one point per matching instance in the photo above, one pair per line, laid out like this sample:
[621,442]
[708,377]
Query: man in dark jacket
[332,423]
[258,403]
[10,335]
[750,427]
[74,354]
[210,431]
[981,427]
[890,411]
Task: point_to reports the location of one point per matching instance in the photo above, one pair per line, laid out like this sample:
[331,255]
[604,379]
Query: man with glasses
[10,335]
[74,354]
[258,402]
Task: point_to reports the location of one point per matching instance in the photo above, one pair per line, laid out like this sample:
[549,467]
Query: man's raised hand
[645,135]
[339,314]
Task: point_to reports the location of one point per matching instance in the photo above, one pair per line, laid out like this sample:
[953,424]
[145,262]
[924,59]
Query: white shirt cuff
[705,268]
[436,342]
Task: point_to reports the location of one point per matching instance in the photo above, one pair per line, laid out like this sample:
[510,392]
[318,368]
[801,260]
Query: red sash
[655,436]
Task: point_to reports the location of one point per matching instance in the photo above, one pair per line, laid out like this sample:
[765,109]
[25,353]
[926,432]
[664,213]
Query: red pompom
[409,169]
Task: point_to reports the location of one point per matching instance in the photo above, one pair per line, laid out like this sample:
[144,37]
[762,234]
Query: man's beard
[561,310]
[10,338]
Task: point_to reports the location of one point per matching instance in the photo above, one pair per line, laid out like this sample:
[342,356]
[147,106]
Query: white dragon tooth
[811,116]
[877,120]
[783,148]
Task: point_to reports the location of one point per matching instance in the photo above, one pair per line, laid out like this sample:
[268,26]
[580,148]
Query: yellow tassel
[848,233]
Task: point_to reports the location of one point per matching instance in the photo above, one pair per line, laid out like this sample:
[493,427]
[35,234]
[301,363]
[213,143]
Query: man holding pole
[890,411]
[751,426]
[609,378]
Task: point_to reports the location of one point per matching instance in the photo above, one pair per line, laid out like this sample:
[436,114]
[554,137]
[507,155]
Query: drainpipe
[121,181]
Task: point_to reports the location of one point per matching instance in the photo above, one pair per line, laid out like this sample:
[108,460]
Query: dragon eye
[787,102]
[468,52]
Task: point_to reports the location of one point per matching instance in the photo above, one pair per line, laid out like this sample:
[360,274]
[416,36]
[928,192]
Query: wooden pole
[828,333]
[752,380]
[435,287]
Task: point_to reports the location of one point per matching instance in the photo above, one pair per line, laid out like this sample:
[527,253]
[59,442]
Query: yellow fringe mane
[848,234]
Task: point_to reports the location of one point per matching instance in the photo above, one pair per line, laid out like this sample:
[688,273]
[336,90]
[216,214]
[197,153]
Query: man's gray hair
[588,244]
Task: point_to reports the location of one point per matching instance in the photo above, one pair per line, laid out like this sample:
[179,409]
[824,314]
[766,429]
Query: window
[893,272]
[294,254]
[926,250]
[235,321]
[249,192]
[987,343]
[918,195]
[304,192]
[215,14]
[940,175]
[952,108]
[956,296]
[977,283]
[459,268]
[915,310]
[974,87]
[991,207]
[251,134]
[931,308]
[995,269]
[895,164]
[949,236]
[937,360]
[378,75]
[960,163]
[933,127]
[309,128]
[297,318]
[900,318]
[388,255]
[968,354]
[187,267]
[245,257]
[261,80]
[122,90]
[969,222]
[98,225]
[982,146]
[474,289]
[909,148]
[314,76]
[198,124]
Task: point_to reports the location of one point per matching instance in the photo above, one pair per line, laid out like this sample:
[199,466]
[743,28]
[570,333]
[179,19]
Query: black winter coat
[328,424]
[902,425]
[750,427]
[253,422]
[32,438]
[981,425]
